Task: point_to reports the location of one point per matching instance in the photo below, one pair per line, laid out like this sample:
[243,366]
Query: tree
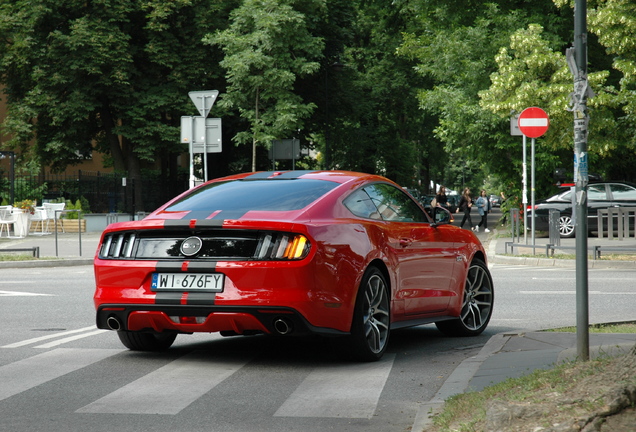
[531,73]
[613,22]
[455,49]
[268,46]
[375,124]
[105,75]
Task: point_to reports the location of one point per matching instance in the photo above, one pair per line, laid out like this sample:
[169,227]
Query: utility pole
[577,61]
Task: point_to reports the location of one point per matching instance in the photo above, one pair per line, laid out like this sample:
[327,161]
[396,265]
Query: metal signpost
[533,123]
[577,61]
[202,134]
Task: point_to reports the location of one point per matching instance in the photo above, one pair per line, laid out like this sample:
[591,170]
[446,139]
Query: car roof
[334,176]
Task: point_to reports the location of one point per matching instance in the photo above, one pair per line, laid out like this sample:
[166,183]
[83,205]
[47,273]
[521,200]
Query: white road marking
[344,391]
[70,339]
[50,336]
[574,292]
[170,388]
[21,294]
[23,375]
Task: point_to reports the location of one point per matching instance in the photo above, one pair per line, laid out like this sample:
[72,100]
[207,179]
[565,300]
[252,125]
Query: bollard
[553,224]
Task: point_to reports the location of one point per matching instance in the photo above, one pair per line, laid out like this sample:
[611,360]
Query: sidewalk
[514,354]
[500,254]
[66,250]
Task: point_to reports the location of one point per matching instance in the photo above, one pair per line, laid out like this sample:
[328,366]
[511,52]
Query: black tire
[477,304]
[146,341]
[370,328]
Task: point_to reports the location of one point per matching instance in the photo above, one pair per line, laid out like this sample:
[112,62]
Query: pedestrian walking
[465,205]
[483,207]
[441,199]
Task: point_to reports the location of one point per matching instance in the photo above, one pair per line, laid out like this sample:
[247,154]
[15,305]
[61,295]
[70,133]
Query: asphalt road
[58,372]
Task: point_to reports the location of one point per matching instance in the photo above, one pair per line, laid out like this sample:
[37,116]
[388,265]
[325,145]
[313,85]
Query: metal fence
[100,192]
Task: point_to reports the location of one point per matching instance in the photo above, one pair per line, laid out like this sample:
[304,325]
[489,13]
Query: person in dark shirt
[441,198]
[465,205]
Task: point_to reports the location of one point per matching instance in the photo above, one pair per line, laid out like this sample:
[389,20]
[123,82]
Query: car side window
[596,193]
[623,192]
[393,204]
[360,204]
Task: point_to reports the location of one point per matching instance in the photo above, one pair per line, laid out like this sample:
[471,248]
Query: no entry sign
[533,122]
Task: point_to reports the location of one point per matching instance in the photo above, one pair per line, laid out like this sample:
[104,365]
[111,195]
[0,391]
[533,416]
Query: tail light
[282,246]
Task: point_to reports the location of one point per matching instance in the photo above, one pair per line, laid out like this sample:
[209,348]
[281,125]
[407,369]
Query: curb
[493,257]
[555,262]
[61,262]
[458,381]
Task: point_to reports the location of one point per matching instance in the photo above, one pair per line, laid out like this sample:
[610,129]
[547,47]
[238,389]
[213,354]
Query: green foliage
[417,90]
[267,47]
[29,188]
[105,75]
[77,205]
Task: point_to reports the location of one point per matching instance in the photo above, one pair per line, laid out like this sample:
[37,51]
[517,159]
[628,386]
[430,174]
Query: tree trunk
[134,175]
[113,140]
[254,131]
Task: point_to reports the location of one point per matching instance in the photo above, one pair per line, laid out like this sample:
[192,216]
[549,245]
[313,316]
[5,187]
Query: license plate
[208,282]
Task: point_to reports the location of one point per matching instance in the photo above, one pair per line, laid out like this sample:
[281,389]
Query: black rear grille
[216,245]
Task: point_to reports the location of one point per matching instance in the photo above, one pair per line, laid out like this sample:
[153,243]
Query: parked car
[328,253]
[601,195]
[415,194]
[495,201]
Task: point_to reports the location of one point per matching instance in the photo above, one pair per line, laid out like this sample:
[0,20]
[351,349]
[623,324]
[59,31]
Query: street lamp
[11,154]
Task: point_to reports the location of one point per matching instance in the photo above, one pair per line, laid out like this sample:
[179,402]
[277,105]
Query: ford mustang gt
[332,253]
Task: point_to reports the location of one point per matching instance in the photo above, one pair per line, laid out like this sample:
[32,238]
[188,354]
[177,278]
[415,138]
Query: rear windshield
[246,195]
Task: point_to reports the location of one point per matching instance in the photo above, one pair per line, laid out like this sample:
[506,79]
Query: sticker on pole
[533,122]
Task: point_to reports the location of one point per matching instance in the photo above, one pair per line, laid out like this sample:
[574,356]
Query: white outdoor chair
[40,216]
[7,219]
[52,211]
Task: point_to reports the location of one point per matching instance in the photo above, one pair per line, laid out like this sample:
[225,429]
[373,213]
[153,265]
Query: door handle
[404,242]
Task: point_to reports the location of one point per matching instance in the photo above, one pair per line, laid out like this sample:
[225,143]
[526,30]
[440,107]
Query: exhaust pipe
[113,323]
[283,326]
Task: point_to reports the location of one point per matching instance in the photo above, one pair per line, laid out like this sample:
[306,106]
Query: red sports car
[332,253]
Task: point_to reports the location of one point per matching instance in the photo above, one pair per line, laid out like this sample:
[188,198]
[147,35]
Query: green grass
[20,257]
[602,328]
[466,412]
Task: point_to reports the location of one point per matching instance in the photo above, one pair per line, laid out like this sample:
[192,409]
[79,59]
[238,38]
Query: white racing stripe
[52,336]
[344,391]
[23,375]
[170,388]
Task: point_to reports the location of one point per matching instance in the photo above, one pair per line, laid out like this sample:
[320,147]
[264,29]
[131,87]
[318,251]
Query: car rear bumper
[194,319]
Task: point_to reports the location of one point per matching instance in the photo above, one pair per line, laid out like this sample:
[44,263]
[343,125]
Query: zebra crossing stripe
[25,374]
[50,336]
[71,339]
[170,388]
[343,391]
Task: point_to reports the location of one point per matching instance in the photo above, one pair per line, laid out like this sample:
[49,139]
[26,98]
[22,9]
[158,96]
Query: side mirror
[442,216]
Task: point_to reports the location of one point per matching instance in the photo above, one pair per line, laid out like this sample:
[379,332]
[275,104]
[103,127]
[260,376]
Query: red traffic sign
[533,122]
